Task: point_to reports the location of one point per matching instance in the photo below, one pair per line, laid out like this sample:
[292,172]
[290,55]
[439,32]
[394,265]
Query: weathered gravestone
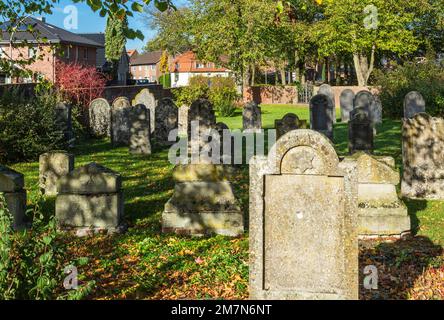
[322,114]
[52,166]
[381,212]
[183,120]
[289,122]
[90,197]
[139,124]
[147,98]
[360,132]
[252,117]
[201,122]
[226,144]
[12,185]
[413,103]
[303,221]
[120,127]
[363,99]
[203,202]
[376,111]
[166,121]
[346,99]
[100,118]
[423,157]
[327,90]
[63,121]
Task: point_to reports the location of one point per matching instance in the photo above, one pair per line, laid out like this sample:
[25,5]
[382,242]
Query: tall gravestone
[303,221]
[139,123]
[120,127]
[376,111]
[225,141]
[328,91]
[147,98]
[346,100]
[12,184]
[322,114]
[63,120]
[413,103]
[166,121]
[252,117]
[201,120]
[423,157]
[289,122]
[52,166]
[360,132]
[183,120]
[100,118]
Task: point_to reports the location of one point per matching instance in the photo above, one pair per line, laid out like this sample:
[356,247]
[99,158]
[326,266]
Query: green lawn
[143,263]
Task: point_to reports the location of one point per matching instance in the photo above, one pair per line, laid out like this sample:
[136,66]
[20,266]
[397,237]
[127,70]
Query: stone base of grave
[84,211]
[424,188]
[91,231]
[202,203]
[16,203]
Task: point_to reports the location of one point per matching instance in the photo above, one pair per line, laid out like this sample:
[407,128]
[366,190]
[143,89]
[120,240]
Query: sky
[90,22]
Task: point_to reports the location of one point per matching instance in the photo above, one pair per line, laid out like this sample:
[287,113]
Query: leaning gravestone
[252,117]
[203,202]
[146,98]
[90,197]
[139,124]
[289,122]
[12,185]
[63,121]
[100,118]
[303,221]
[413,103]
[381,212]
[120,129]
[166,121]
[52,166]
[360,132]
[328,91]
[423,157]
[346,99]
[322,114]
[183,120]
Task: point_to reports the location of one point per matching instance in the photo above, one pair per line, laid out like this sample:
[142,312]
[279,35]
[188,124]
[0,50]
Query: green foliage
[165,80]
[427,78]
[115,38]
[198,88]
[27,126]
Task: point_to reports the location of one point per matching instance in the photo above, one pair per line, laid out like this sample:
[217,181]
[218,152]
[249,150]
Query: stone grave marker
[183,120]
[52,166]
[120,127]
[166,121]
[289,122]
[303,221]
[201,115]
[12,185]
[413,103]
[328,91]
[322,114]
[360,132]
[139,124]
[100,118]
[146,97]
[346,99]
[63,120]
[252,117]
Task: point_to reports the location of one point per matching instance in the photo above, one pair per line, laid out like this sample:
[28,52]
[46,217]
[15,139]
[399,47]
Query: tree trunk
[283,77]
[253,74]
[363,67]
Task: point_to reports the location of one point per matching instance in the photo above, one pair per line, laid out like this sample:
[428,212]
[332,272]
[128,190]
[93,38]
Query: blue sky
[90,22]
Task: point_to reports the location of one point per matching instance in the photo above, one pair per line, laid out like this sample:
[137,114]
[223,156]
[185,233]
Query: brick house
[71,48]
[186,66]
[146,66]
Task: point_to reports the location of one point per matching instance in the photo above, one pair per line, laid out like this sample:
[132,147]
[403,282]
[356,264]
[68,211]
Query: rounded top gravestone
[148,99]
[413,103]
[328,91]
[322,114]
[100,117]
[363,99]
[120,126]
[346,101]
[167,114]
[251,116]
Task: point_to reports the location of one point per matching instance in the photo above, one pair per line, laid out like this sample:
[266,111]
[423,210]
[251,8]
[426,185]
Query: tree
[364,27]
[115,40]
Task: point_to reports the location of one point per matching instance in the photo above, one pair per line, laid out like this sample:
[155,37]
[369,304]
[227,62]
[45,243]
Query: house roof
[96,37]
[132,52]
[146,58]
[45,30]
[187,62]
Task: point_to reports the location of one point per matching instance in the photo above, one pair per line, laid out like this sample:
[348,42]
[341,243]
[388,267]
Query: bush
[427,78]
[165,80]
[220,91]
[27,126]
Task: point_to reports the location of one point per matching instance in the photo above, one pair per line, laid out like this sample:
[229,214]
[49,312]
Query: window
[32,52]
[133,69]
[68,52]
[153,67]
[85,53]
[140,68]
[200,65]
[2,53]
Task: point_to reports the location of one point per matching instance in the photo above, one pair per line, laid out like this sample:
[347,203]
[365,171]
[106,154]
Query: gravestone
[303,221]
[146,98]
[289,122]
[139,123]
[100,118]
[413,103]
[328,91]
[360,132]
[381,212]
[166,121]
[12,185]
[252,117]
[225,156]
[203,202]
[376,111]
[321,115]
[363,99]
[183,120]
[201,120]
[52,166]
[346,99]
[423,157]
[90,197]
[63,121]
[120,127]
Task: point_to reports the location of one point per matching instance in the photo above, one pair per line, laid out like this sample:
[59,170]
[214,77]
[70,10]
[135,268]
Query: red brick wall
[271,94]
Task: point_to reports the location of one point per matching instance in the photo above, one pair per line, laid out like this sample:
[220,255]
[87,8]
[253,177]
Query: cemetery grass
[145,264]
